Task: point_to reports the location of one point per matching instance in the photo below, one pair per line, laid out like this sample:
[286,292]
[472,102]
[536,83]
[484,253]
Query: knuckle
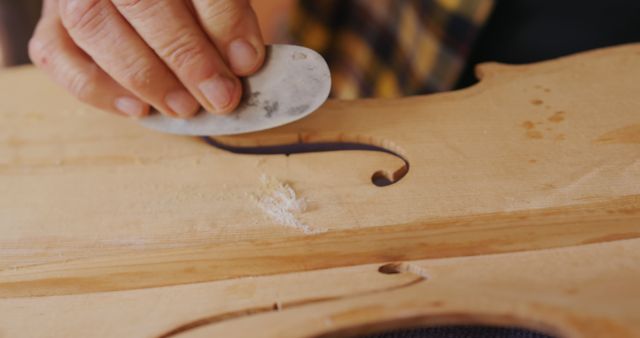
[40,50]
[49,7]
[82,85]
[46,44]
[137,75]
[183,51]
[82,14]
[136,7]
[226,12]
[128,3]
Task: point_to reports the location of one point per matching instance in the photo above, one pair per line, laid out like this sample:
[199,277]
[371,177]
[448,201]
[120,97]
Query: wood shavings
[281,203]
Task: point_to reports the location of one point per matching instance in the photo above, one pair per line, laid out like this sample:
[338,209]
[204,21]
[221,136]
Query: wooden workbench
[513,202]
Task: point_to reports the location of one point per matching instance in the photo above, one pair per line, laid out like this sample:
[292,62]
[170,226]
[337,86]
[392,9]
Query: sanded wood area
[539,161]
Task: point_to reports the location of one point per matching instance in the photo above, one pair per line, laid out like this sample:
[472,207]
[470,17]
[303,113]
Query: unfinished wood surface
[585,291]
[533,157]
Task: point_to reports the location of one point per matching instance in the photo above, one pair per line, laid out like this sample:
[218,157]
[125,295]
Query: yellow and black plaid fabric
[390,48]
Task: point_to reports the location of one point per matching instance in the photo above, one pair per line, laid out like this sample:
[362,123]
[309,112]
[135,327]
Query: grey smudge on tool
[293,82]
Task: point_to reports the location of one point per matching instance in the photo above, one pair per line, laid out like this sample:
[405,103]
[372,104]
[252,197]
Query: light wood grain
[566,292]
[584,291]
[533,157]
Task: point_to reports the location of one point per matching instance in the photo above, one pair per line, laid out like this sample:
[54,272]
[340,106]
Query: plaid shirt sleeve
[390,48]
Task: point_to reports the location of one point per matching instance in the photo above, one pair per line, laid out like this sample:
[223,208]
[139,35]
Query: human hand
[125,55]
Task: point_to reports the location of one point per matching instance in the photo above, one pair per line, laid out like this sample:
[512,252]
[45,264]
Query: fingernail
[182,103]
[130,106]
[219,91]
[242,56]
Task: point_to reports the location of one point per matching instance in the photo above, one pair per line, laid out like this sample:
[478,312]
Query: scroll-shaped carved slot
[397,268]
[403,267]
[380,178]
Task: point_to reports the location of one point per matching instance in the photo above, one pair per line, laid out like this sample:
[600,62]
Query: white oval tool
[293,82]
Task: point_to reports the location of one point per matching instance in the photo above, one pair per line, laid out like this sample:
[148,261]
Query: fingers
[233,27]
[98,29]
[170,29]
[49,8]
[53,50]
[108,52]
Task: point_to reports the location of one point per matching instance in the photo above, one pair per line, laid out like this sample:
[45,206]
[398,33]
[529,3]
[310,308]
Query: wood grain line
[455,237]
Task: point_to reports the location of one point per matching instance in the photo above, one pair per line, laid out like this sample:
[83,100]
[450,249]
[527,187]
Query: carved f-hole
[380,178]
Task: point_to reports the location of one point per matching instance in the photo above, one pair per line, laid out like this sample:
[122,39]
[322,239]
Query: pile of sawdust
[281,203]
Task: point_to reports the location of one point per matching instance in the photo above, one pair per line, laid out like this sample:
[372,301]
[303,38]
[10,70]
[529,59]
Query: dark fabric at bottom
[460,332]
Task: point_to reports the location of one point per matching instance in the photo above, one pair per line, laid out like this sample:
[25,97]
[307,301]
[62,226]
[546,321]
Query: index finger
[172,31]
